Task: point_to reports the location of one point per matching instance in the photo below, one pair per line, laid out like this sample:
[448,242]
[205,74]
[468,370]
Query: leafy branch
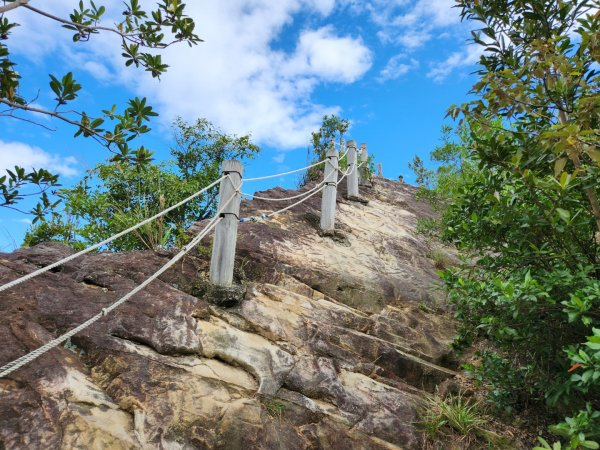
[154,29]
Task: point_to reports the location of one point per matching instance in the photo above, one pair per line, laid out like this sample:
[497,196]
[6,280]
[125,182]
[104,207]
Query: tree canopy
[332,129]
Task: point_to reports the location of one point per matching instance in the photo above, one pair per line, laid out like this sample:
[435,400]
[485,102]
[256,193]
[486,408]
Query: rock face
[336,339]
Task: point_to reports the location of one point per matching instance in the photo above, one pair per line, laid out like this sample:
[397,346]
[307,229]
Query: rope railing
[23,360]
[318,163]
[318,188]
[292,197]
[266,177]
[282,199]
[108,240]
[225,221]
[98,245]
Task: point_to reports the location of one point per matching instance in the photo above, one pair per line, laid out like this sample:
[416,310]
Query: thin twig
[33,122]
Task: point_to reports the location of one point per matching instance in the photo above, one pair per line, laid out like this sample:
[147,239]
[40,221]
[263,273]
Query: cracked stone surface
[332,347]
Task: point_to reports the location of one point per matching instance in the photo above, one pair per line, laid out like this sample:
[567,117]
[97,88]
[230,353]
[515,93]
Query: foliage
[115,196]
[440,258]
[331,130]
[539,74]
[534,292]
[56,229]
[518,194]
[578,430]
[453,164]
[200,148]
[41,180]
[139,29]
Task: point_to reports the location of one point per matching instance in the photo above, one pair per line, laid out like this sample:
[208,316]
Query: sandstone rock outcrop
[335,342]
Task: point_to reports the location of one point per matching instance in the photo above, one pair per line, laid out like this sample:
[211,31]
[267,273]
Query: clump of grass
[458,418]
[275,408]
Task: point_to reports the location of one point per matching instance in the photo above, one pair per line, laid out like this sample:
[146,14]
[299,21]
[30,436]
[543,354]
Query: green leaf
[593,345]
[594,154]
[559,165]
[565,179]
[564,214]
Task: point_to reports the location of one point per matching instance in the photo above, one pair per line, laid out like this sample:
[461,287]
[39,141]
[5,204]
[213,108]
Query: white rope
[272,199]
[20,362]
[308,196]
[294,171]
[297,203]
[349,171]
[320,188]
[106,241]
[285,173]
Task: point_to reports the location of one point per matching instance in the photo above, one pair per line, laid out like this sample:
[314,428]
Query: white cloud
[413,39]
[464,58]
[410,24]
[38,36]
[98,71]
[240,78]
[322,54]
[324,7]
[396,67]
[236,78]
[30,157]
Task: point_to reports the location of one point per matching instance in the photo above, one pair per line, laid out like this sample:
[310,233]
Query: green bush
[518,192]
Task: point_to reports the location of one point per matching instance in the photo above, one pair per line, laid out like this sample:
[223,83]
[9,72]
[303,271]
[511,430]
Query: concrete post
[363,173]
[353,176]
[223,252]
[329,191]
[379,170]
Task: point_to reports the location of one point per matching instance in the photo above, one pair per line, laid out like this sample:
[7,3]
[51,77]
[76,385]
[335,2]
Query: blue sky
[271,69]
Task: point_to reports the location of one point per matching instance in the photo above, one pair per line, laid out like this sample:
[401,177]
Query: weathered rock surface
[332,347]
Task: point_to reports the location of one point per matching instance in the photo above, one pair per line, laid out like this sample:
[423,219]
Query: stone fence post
[353,176]
[364,177]
[223,252]
[329,191]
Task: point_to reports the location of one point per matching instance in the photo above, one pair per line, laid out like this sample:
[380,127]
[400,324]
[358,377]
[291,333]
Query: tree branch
[77,25]
[14,209]
[90,28]
[97,136]
[13,5]
[589,191]
[43,111]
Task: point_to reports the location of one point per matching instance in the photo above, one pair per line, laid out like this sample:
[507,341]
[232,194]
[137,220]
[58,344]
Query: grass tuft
[457,418]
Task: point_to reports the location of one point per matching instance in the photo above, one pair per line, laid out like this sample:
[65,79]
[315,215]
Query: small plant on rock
[275,408]
[456,417]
